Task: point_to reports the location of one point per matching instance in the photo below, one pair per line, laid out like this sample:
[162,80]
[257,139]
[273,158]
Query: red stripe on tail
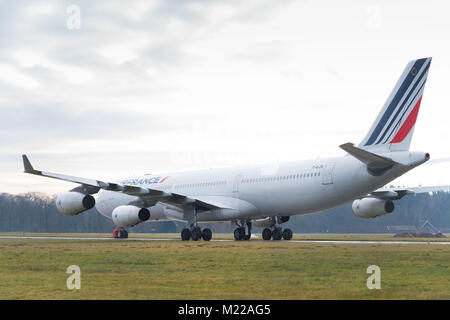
[409,123]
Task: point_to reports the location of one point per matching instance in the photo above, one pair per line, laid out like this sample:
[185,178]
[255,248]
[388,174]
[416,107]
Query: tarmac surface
[230,240]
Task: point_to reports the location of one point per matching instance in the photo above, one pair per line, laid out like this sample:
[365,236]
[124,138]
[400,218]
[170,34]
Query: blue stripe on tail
[402,107]
[389,138]
[398,96]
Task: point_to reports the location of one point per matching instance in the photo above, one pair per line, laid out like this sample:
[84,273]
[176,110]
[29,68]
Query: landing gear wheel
[266,234]
[122,233]
[196,233]
[276,234]
[247,237]
[287,234]
[206,234]
[185,234]
[239,233]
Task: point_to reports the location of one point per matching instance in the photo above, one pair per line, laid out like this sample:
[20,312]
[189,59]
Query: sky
[110,89]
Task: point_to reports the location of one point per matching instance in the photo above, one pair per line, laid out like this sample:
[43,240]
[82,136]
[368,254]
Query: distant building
[401,228]
[424,226]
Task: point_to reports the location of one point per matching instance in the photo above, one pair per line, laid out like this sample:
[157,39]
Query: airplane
[267,197]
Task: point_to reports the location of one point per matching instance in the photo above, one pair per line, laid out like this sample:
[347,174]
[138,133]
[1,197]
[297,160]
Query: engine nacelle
[73,203]
[128,216]
[372,207]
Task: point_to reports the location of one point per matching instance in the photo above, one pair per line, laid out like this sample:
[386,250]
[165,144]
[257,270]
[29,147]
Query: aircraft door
[327,173]
[236,182]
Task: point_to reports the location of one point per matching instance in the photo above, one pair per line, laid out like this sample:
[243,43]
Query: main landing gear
[196,234]
[243,230]
[277,234]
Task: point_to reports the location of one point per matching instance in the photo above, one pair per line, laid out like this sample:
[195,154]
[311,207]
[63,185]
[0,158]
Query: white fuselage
[287,189]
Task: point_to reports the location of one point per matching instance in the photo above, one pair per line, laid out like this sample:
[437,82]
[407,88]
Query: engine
[128,216]
[73,203]
[372,207]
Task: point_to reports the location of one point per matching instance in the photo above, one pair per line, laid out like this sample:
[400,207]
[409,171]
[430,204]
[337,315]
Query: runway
[386,242]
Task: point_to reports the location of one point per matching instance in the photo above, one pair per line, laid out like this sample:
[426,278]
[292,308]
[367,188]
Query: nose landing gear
[240,232]
[194,233]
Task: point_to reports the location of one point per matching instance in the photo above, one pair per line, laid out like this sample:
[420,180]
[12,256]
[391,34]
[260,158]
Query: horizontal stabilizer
[372,160]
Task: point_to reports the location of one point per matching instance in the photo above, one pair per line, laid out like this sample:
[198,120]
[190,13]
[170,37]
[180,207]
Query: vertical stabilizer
[394,126]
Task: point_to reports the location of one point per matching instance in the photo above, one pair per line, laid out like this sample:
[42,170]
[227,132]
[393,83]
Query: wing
[149,195]
[398,193]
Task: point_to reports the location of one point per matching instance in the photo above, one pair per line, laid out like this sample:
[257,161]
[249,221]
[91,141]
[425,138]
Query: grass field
[35,269]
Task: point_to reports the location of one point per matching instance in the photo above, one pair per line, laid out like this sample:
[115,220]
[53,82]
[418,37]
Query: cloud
[17,78]
[211,81]
[34,127]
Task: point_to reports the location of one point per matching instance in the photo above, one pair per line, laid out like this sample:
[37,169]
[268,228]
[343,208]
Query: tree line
[36,212]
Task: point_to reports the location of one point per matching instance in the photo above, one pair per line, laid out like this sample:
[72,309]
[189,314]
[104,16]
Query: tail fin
[394,126]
